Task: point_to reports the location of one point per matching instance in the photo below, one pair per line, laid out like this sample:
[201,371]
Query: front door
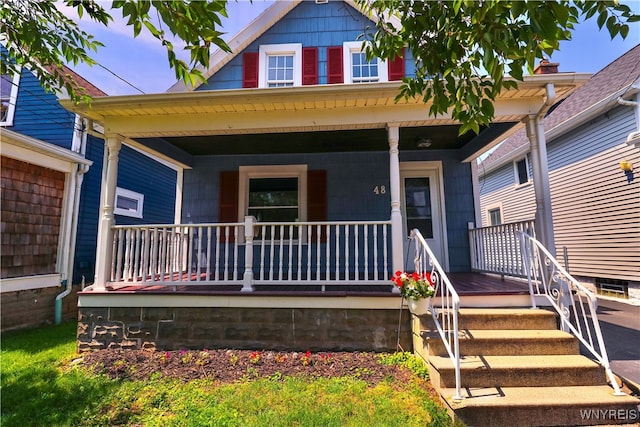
[423,208]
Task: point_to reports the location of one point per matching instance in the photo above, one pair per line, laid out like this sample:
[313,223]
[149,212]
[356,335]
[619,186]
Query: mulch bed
[229,366]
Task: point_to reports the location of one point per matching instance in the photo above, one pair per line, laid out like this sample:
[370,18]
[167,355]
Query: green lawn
[41,386]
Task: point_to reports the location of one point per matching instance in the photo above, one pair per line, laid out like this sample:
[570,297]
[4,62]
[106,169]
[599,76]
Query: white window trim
[515,171]
[131,195]
[282,49]
[13,98]
[353,47]
[279,171]
[493,207]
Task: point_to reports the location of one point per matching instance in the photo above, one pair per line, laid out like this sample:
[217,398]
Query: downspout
[79,145]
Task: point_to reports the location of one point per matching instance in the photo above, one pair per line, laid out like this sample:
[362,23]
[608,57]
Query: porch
[160,297]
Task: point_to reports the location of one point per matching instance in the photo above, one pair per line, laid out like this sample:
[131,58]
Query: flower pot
[420,306]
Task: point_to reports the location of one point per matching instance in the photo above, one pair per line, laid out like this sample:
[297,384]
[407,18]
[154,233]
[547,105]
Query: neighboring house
[596,204]
[302,173]
[51,177]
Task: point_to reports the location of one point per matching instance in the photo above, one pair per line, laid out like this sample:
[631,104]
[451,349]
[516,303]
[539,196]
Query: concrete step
[543,406]
[506,342]
[517,371]
[506,318]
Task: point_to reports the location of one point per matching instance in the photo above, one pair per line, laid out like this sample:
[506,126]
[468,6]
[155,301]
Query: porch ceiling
[212,122]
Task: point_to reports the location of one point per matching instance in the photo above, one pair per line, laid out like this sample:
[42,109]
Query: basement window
[612,287]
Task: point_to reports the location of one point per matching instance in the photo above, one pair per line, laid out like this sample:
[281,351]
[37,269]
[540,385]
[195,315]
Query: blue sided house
[306,188]
[303,179]
[50,202]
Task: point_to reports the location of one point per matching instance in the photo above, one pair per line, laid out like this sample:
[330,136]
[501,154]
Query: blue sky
[142,61]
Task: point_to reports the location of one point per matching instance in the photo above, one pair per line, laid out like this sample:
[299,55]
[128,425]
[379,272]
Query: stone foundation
[282,329]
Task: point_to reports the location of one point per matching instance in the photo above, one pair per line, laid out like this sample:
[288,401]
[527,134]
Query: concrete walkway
[620,324]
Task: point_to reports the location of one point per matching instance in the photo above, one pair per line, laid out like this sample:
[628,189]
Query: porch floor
[466,284]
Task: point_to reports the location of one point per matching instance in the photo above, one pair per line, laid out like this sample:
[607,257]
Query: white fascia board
[514,155]
[32,150]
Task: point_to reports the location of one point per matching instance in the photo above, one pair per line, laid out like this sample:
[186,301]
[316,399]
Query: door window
[418,206]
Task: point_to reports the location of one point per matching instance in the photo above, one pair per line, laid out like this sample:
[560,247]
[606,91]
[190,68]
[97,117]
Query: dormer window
[280,65]
[356,67]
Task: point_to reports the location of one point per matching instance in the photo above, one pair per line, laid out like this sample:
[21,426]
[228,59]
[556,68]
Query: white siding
[518,201]
[596,211]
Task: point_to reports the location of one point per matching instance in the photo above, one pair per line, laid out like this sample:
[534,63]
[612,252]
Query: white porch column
[247,278]
[540,166]
[397,239]
[106,222]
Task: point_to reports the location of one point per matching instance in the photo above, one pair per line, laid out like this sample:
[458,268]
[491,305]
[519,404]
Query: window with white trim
[8,97]
[280,65]
[356,67]
[521,170]
[128,203]
[273,193]
[494,214]
[494,217]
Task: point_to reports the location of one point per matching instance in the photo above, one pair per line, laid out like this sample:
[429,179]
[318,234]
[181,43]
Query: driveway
[620,324]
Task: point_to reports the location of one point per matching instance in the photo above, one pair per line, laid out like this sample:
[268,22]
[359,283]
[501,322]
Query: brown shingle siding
[31,209]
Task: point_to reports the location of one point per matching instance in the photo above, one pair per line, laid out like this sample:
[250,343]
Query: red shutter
[310,66]
[396,67]
[334,65]
[250,69]
[317,201]
[228,200]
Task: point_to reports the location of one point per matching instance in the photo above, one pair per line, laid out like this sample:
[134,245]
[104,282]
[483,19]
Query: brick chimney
[546,67]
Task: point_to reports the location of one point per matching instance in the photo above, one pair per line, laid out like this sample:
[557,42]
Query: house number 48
[379,189]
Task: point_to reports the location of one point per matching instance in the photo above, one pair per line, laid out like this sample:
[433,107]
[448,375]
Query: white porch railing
[445,305]
[575,304]
[253,253]
[496,249]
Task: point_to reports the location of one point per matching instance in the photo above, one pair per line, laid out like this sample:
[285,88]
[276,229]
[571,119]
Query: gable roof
[599,94]
[267,19]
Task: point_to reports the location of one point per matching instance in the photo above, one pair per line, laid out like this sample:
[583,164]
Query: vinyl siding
[596,210]
[39,115]
[518,201]
[312,25]
[136,172]
[89,213]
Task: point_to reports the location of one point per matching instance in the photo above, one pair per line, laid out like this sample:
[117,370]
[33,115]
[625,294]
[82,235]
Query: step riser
[538,377]
[505,322]
[496,347]
[549,416]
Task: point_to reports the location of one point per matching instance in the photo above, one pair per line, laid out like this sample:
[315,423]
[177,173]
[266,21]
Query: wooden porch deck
[466,284]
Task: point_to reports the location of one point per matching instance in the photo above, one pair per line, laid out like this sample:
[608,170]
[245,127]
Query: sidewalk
[620,324]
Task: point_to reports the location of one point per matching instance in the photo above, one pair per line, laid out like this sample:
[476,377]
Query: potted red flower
[416,288]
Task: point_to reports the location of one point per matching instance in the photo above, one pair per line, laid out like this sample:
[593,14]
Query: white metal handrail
[252,252]
[496,249]
[448,306]
[575,304]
